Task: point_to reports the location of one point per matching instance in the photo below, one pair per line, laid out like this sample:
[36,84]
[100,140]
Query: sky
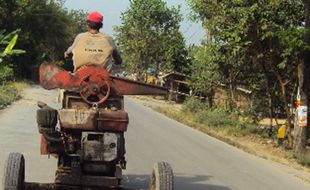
[112,9]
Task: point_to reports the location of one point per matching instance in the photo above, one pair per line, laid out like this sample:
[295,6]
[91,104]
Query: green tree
[149,36]
[47,29]
[257,37]
[204,72]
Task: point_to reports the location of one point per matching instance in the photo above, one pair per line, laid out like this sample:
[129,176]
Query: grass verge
[230,128]
[10,92]
[303,159]
[219,132]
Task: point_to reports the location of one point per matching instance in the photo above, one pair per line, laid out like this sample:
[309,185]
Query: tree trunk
[286,107]
[301,132]
[270,107]
[231,94]
[210,96]
[288,115]
[270,92]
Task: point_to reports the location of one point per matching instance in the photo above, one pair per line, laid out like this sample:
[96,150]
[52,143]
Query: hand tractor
[87,134]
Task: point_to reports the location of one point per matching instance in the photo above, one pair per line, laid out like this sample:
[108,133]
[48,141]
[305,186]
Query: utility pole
[302,129]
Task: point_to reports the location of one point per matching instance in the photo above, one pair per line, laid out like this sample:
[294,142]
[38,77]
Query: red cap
[95,17]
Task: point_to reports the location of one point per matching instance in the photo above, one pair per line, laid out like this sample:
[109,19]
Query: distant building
[177,85]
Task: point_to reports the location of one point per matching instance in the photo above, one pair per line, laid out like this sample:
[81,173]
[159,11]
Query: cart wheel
[14,172]
[162,177]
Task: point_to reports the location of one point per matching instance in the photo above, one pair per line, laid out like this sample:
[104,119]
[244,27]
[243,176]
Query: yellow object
[281,132]
[150,79]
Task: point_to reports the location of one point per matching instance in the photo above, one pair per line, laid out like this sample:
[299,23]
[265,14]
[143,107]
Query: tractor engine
[87,134]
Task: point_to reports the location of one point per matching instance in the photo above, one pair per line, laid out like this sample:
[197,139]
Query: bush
[215,118]
[303,159]
[6,73]
[244,128]
[258,110]
[8,94]
[193,105]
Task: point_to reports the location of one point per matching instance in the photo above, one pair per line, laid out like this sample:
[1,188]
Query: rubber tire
[47,117]
[162,177]
[14,172]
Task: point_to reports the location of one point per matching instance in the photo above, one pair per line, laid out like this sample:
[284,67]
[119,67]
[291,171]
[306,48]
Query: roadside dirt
[263,147]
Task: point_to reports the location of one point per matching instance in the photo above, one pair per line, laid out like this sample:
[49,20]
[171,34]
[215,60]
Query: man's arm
[69,50]
[115,54]
[117,57]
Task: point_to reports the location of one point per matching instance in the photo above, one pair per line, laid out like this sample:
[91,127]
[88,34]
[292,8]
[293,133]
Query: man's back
[93,49]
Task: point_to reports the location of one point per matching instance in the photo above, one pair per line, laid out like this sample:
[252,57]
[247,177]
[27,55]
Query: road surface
[200,162]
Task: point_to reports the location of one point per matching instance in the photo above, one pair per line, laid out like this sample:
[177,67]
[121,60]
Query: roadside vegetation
[303,159]
[231,128]
[255,46]
[11,92]
[32,32]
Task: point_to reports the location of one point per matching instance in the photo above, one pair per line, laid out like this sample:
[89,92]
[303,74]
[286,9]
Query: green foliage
[258,109]
[6,73]
[293,43]
[46,30]
[7,44]
[204,77]
[215,118]
[193,105]
[303,159]
[9,48]
[8,94]
[149,36]
[258,45]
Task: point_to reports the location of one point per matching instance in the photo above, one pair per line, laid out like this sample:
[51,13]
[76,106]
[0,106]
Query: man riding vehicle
[93,47]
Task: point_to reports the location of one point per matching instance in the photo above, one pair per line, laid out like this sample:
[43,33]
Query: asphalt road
[200,162]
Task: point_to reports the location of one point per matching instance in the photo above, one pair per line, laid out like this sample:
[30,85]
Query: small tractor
[87,134]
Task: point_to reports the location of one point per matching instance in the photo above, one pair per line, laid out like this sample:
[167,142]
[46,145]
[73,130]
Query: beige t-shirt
[92,49]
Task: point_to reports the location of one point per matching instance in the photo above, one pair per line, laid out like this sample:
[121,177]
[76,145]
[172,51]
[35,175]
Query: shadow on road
[181,182]
[141,182]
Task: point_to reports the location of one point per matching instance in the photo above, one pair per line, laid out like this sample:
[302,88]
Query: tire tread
[14,172]
[163,174]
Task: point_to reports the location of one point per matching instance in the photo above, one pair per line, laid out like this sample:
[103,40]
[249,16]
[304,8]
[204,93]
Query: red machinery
[87,134]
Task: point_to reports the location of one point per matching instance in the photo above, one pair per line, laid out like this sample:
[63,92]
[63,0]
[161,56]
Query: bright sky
[112,9]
